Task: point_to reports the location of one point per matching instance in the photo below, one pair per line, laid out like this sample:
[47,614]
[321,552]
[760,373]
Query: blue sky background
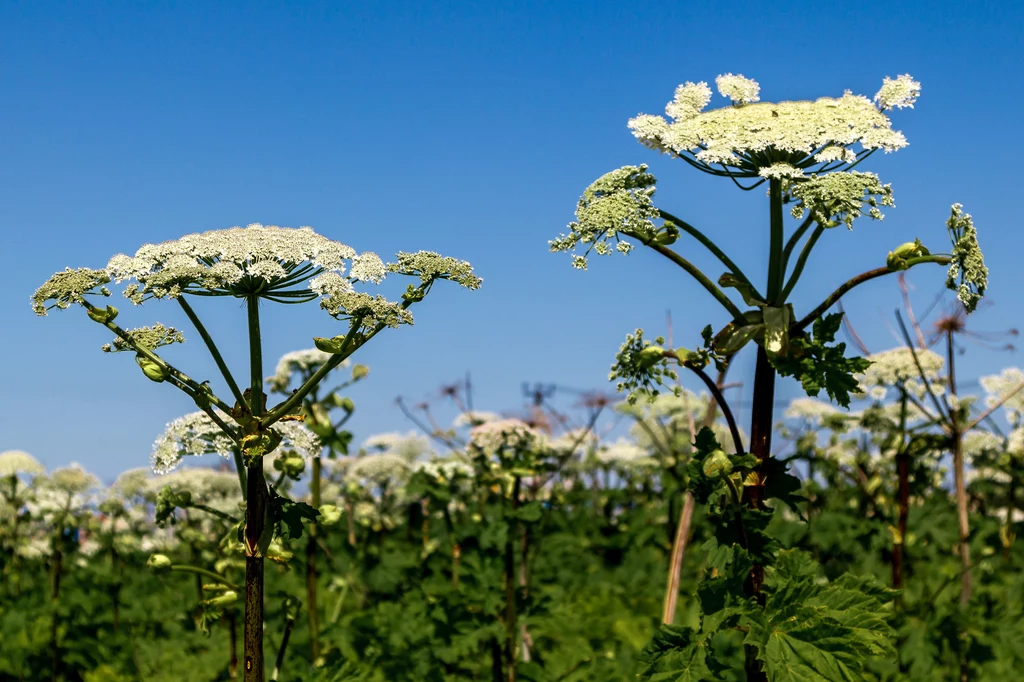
[466,128]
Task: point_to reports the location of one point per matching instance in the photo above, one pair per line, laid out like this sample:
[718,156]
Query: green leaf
[290,514]
[530,512]
[818,365]
[676,654]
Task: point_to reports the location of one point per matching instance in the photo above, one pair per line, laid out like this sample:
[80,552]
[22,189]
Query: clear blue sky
[465,128]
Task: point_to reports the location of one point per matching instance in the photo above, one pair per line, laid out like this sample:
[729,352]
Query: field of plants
[864,532]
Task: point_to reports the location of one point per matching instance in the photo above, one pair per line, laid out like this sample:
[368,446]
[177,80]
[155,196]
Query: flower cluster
[617,202]
[837,198]
[15,462]
[151,338]
[749,137]
[67,287]
[967,264]
[239,261]
[301,362]
[896,369]
[502,436]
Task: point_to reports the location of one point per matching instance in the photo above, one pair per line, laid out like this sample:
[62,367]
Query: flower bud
[160,563]
[650,356]
[102,316]
[332,345]
[154,371]
[329,515]
[359,371]
[222,600]
[718,464]
[897,258]
[668,235]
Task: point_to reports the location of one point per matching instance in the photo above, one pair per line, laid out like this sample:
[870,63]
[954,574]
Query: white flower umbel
[301,363]
[239,261]
[750,136]
[197,434]
[409,446]
[896,368]
[16,462]
[498,437]
[999,386]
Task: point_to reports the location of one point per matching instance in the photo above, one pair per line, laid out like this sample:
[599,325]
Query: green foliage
[819,366]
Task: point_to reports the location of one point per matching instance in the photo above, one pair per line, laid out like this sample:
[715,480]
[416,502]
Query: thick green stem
[212,347]
[710,246]
[255,514]
[959,481]
[846,286]
[801,261]
[702,279]
[58,567]
[311,576]
[762,414]
[216,577]
[776,265]
[279,661]
[240,470]
[511,625]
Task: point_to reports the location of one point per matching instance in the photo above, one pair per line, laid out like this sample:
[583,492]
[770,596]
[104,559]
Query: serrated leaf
[676,654]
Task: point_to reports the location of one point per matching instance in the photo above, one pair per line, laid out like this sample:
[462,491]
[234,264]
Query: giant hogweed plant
[792,627]
[257,265]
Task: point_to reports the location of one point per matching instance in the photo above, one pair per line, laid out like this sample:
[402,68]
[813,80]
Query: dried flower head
[750,135]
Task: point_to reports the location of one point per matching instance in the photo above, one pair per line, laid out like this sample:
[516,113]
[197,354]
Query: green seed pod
[359,372]
[102,316]
[154,371]
[718,464]
[160,563]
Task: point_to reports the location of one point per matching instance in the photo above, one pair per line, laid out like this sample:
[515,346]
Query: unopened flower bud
[650,356]
[359,371]
[101,315]
[333,345]
[329,515]
[160,563]
[154,371]
[222,600]
[668,235]
[718,464]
